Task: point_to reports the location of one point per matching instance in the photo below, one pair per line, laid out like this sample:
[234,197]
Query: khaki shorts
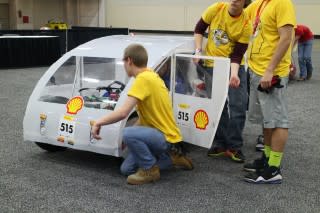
[268,109]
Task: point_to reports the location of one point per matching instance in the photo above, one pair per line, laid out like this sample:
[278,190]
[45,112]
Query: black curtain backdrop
[44,50]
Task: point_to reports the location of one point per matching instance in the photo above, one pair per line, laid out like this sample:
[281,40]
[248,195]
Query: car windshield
[99,81]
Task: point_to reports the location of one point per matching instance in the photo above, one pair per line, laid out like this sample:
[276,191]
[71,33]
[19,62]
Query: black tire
[119,161]
[50,148]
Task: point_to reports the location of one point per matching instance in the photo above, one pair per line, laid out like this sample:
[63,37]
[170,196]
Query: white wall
[182,15]
[309,16]
[89,12]
[307,13]
[4,16]
[73,12]
[26,8]
[46,10]
[176,15]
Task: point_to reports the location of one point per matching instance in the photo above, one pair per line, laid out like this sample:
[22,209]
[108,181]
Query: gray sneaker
[260,143]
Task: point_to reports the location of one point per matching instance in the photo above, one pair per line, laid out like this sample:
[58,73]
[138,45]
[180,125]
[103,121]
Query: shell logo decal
[74,105]
[201,119]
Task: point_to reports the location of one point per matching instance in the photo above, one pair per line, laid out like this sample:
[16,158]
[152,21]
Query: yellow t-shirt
[273,15]
[155,106]
[225,30]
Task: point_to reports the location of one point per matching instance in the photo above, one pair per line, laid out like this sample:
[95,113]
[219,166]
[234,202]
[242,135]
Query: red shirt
[304,32]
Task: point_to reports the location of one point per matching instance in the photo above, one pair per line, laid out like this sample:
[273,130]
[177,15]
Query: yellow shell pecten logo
[201,119]
[74,105]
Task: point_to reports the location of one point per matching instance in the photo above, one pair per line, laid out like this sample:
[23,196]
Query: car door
[198,95]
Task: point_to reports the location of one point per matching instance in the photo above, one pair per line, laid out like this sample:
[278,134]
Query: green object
[275,159]
[267,150]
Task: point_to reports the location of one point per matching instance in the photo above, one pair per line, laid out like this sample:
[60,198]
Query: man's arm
[198,41]
[234,81]
[199,31]
[236,58]
[117,115]
[285,34]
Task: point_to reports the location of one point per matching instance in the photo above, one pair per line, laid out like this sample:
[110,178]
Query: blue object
[146,146]
[106,94]
[180,86]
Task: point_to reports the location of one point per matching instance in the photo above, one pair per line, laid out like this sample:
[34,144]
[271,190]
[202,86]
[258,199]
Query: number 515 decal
[67,126]
[183,117]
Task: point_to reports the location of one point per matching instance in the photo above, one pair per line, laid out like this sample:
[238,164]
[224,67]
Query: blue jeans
[233,117]
[146,147]
[304,57]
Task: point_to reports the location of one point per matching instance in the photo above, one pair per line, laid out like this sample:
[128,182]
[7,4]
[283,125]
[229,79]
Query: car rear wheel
[50,148]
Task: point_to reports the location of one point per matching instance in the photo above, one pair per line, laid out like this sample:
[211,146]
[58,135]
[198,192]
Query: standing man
[229,31]
[269,57]
[304,38]
[149,142]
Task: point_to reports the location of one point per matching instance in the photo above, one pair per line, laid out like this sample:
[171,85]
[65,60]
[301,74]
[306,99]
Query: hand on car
[95,131]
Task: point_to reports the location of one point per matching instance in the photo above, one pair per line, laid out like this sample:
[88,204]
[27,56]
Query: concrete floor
[32,180]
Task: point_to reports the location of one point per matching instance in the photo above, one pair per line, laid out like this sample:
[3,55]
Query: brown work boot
[181,161]
[143,176]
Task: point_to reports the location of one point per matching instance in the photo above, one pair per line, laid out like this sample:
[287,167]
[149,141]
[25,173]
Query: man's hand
[234,81]
[266,79]
[95,131]
[275,83]
[197,52]
[115,116]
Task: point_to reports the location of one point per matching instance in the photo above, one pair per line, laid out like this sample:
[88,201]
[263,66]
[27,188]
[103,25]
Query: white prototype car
[90,81]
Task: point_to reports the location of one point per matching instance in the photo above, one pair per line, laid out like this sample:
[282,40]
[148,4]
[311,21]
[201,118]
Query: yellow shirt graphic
[225,30]
[273,15]
[155,106]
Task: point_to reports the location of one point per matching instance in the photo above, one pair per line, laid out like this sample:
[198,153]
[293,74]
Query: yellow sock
[267,150]
[275,158]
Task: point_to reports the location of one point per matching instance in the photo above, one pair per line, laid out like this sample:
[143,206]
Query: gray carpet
[32,180]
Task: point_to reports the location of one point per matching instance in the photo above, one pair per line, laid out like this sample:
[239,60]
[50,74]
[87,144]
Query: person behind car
[164,72]
[269,58]
[228,36]
[259,140]
[149,142]
[304,38]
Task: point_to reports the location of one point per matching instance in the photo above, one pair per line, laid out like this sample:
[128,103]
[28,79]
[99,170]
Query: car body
[90,81]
